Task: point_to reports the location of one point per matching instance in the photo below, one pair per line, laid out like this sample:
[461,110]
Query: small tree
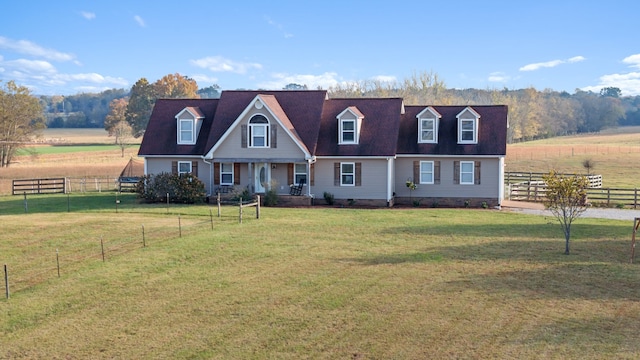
[588,164]
[566,198]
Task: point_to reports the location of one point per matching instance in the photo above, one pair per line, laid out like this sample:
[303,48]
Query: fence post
[26,207]
[179,226]
[211,218]
[6,280]
[167,203]
[608,196]
[635,198]
[102,247]
[58,262]
[219,208]
[240,211]
[258,207]
[144,243]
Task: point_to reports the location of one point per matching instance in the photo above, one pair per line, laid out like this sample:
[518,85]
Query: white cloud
[498,77]
[30,66]
[204,79]
[280,80]
[629,83]
[28,48]
[220,64]
[88,15]
[576,59]
[550,64]
[140,21]
[278,26]
[633,60]
[385,78]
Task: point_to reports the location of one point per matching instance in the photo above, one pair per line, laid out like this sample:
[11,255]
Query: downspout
[390,181]
[204,160]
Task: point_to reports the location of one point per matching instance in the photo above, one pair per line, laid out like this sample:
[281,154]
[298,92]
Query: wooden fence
[595,181]
[39,186]
[535,191]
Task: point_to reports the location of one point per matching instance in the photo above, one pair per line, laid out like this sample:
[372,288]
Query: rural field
[92,278]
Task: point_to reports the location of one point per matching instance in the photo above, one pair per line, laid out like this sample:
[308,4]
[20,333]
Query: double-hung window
[347,174]
[467,172]
[226,174]
[258,131]
[427,130]
[467,130]
[186,132]
[300,173]
[426,172]
[184,167]
[347,131]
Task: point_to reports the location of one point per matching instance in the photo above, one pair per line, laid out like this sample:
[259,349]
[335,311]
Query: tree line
[533,114]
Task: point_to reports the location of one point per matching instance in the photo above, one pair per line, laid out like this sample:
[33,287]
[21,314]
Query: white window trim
[426,172]
[181,141]
[297,173]
[434,129]
[474,131]
[343,131]
[180,163]
[353,173]
[473,175]
[250,129]
[222,172]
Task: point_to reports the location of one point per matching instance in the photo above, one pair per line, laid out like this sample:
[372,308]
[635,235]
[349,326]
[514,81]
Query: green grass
[64,149]
[312,283]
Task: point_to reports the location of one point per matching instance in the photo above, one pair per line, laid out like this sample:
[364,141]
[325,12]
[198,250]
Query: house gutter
[204,160]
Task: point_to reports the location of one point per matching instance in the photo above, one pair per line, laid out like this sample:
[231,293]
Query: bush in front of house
[184,188]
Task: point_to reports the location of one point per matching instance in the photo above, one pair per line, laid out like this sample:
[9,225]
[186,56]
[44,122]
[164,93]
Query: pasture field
[69,153]
[327,283]
[616,154]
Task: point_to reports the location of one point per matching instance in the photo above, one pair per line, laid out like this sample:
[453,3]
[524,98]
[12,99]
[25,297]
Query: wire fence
[41,262]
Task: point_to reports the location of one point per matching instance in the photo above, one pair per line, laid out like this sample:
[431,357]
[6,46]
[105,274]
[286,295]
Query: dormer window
[258,132]
[189,121]
[468,126]
[349,124]
[186,131]
[428,121]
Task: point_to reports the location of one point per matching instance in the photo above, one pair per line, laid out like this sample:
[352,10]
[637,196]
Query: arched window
[258,131]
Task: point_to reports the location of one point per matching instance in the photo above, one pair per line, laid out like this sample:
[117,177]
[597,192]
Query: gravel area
[602,213]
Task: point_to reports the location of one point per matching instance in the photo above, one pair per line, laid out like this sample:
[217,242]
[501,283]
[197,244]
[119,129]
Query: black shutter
[358,174]
[456,172]
[243,136]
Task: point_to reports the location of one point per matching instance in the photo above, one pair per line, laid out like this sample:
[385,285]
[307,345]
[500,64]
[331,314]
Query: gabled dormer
[189,122]
[468,120]
[428,123]
[349,126]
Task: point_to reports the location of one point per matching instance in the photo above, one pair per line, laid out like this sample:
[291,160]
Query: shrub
[485,205]
[184,188]
[243,195]
[328,197]
[271,197]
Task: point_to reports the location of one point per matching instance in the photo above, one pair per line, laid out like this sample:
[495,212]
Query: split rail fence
[531,187]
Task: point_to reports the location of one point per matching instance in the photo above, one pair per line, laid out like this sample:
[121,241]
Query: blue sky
[68,47]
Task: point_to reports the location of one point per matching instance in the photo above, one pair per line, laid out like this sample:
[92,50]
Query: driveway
[602,213]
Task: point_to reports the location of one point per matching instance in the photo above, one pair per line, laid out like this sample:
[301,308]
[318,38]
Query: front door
[262,177]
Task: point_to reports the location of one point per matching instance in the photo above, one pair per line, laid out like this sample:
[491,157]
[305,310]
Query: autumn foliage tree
[116,124]
[144,95]
[566,198]
[21,117]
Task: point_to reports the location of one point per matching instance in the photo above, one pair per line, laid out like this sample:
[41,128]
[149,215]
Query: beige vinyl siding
[373,179]
[489,186]
[285,147]
[159,165]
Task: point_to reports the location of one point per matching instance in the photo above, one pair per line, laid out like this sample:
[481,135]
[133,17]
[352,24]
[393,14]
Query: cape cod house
[360,150]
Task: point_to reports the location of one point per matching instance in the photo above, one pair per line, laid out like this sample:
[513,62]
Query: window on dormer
[258,131]
[468,126]
[428,120]
[186,133]
[349,126]
[428,130]
[347,131]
